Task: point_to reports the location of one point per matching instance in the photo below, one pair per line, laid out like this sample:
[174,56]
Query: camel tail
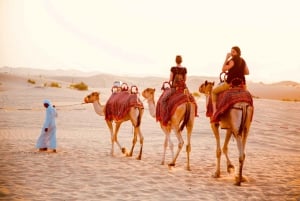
[186,116]
[244,118]
[139,118]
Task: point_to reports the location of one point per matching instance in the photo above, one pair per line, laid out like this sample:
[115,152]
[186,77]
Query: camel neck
[99,109]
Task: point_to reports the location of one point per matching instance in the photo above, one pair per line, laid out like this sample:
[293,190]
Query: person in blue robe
[47,138]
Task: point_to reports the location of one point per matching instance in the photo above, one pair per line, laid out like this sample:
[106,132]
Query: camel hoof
[237,178]
[188,168]
[230,169]
[162,163]
[216,175]
[237,184]
[139,158]
[171,164]
[128,154]
[123,150]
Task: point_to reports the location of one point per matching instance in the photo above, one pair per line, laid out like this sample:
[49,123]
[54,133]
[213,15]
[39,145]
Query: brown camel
[134,114]
[236,120]
[183,117]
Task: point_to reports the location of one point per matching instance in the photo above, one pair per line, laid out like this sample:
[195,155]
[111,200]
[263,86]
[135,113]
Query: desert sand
[83,169]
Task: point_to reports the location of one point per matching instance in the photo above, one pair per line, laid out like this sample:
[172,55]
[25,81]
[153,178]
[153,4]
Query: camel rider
[236,69]
[177,79]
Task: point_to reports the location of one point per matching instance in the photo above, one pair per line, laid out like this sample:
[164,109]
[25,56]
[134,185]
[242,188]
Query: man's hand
[46,129]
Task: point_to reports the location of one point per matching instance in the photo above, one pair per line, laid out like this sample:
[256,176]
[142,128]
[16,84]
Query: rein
[37,109]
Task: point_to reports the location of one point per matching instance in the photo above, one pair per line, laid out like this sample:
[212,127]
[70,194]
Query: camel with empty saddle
[234,113]
[121,107]
[181,116]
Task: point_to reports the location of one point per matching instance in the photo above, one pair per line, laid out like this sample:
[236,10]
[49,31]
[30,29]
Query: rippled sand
[83,169]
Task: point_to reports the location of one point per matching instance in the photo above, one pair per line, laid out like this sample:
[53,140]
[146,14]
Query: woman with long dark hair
[236,68]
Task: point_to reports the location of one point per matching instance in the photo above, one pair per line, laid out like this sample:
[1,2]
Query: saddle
[164,111]
[226,100]
[119,104]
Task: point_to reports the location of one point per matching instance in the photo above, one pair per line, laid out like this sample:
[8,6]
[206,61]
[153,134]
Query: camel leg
[171,147]
[110,126]
[241,144]
[167,140]
[239,140]
[180,145]
[189,129]
[230,167]
[135,134]
[133,118]
[188,149]
[133,142]
[215,129]
[115,138]
[141,137]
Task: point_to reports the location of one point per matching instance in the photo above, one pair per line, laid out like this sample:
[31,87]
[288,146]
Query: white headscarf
[47,101]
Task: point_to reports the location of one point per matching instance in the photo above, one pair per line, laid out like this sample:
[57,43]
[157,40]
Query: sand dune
[82,168]
[285,90]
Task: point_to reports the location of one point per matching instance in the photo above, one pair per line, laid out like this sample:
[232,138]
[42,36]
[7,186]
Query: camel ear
[153,89]
[213,83]
[205,82]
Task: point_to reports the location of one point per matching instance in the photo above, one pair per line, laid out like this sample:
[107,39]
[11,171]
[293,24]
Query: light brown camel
[236,120]
[183,117]
[134,115]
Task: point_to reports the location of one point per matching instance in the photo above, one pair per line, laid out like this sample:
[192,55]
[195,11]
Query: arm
[227,65]
[171,77]
[47,120]
[246,70]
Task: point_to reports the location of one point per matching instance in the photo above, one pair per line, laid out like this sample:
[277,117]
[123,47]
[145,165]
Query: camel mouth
[85,100]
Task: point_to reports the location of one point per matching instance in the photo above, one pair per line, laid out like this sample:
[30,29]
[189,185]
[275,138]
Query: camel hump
[120,103]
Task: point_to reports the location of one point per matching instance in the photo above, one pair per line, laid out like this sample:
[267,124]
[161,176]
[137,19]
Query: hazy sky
[142,37]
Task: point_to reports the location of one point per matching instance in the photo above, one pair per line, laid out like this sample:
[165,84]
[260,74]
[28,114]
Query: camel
[134,114]
[236,120]
[183,117]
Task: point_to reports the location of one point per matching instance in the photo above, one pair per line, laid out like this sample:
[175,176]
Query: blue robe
[48,139]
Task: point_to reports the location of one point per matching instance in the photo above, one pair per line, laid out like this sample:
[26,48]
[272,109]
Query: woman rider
[236,69]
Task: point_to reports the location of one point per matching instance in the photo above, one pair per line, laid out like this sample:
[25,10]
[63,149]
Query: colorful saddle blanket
[164,111]
[119,104]
[226,100]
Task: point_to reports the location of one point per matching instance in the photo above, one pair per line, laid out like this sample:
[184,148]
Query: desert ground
[83,169]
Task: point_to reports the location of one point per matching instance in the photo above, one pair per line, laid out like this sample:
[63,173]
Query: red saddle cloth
[165,111]
[119,104]
[226,100]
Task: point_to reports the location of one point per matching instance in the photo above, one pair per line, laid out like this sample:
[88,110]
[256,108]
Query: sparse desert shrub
[80,86]
[55,84]
[31,81]
[290,99]
[196,94]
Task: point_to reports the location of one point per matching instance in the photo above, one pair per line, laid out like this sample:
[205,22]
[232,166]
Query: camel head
[94,96]
[206,87]
[149,93]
